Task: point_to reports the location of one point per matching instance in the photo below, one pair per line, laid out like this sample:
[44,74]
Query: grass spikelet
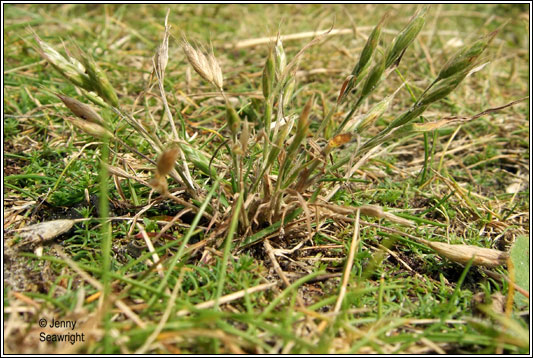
[165,164]
[234,121]
[198,159]
[405,38]
[91,128]
[466,57]
[372,80]
[216,71]
[161,55]
[375,112]
[281,58]
[288,91]
[442,89]
[98,81]
[81,110]
[269,74]
[166,161]
[370,46]
[198,61]
[72,72]
[206,66]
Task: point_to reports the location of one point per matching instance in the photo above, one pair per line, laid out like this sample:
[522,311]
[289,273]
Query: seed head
[73,72]
[281,58]
[269,74]
[206,66]
[159,184]
[234,121]
[81,110]
[339,140]
[405,38]
[166,161]
[368,50]
[374,113]
[218,79]
[161,55]
[98,81]
[443,88]
[198,159]
[288,91]
[466,57]
[373,79]
[406,117]
[91,128]
[245,137]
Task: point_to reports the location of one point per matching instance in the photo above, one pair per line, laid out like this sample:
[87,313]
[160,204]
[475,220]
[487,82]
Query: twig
[275,263]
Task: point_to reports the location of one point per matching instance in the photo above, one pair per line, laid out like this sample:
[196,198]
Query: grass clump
[196,222]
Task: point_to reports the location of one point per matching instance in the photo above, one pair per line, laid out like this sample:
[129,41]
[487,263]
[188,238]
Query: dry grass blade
[151,248]
[369,210]
[230,297]
[349,263]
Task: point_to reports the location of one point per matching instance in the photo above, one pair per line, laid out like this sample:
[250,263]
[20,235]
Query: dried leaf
[42,232]
[463,253]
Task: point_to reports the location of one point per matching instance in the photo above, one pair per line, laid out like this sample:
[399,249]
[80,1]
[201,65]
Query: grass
[235,252]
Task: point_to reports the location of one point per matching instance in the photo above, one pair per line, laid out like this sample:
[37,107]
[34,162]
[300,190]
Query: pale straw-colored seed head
[198,61]
[216,71]
[161,55]
[206,66]
[245,136]
[289,91]
[73,72]
[91,128]
[281,58]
